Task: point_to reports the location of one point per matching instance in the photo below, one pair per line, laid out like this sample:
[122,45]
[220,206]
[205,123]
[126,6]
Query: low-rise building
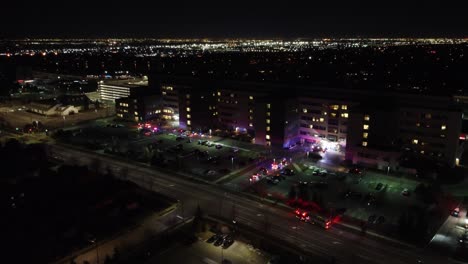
[110,90]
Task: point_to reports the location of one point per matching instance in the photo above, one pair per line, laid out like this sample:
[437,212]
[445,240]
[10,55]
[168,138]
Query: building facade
[110,90]
[372,128]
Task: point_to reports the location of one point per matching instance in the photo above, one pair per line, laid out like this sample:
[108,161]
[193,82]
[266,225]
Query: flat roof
[136,82]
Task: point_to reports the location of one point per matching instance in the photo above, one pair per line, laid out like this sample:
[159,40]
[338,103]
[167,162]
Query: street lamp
[232,162]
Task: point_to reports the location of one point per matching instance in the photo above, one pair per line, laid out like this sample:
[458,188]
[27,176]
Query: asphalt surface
[346,247]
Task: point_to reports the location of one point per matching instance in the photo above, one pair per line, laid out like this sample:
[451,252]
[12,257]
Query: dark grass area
[48,213]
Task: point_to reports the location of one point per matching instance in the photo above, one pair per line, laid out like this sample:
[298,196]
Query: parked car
[218,146]
[219,241]
[287,172]
[455,212]
[379,186]
[213,238]
[272,180]
[228,241]
[210,172]
[405,192]
[380,220]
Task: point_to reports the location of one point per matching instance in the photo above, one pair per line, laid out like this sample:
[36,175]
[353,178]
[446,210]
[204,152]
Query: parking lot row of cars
[223,240]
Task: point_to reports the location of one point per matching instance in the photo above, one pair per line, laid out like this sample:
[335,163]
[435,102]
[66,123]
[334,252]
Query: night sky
[219,19]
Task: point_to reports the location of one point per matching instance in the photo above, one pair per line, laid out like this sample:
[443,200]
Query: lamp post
[232,162]
[222,254]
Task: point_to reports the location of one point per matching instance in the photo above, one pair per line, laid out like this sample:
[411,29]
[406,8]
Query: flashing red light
[304,214]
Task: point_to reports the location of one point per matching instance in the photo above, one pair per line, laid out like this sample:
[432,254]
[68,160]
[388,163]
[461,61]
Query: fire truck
[314,218]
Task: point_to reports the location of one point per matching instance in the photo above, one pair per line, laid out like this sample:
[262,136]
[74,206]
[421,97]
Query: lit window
[365,127]
[219,93]
[365,135]
[232,95]
[136,113]
[322,119]
[344,107]
[364,143]
[188,109]
[334,107]
[250,125]
[304,110]
[345,115]
[188,96]
[415,141]
[251,97]
[250,110]
[324,113]
[268,121]
[333,114]
[188,122]
[250,117]
[311,126]
[428,116]
[267,128]
[366,117]
[268,106]
[418,124]
[268,114]
[267,137]
[189,116]
[443,127]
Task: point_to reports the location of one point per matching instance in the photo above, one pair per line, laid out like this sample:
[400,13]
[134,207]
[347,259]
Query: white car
[405,192]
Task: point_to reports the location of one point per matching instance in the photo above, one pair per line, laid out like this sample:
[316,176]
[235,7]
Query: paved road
[346,247]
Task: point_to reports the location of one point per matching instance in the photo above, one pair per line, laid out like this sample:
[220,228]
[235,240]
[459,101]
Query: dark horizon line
[224,38]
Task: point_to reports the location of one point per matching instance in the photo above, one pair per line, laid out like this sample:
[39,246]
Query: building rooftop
[135,82]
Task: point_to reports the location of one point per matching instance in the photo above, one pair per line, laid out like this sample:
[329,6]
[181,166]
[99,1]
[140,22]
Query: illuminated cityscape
[250,133]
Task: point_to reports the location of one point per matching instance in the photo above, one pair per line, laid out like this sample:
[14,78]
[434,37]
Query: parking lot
[369,198]
[202,252]
[373,199]
[208,158]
